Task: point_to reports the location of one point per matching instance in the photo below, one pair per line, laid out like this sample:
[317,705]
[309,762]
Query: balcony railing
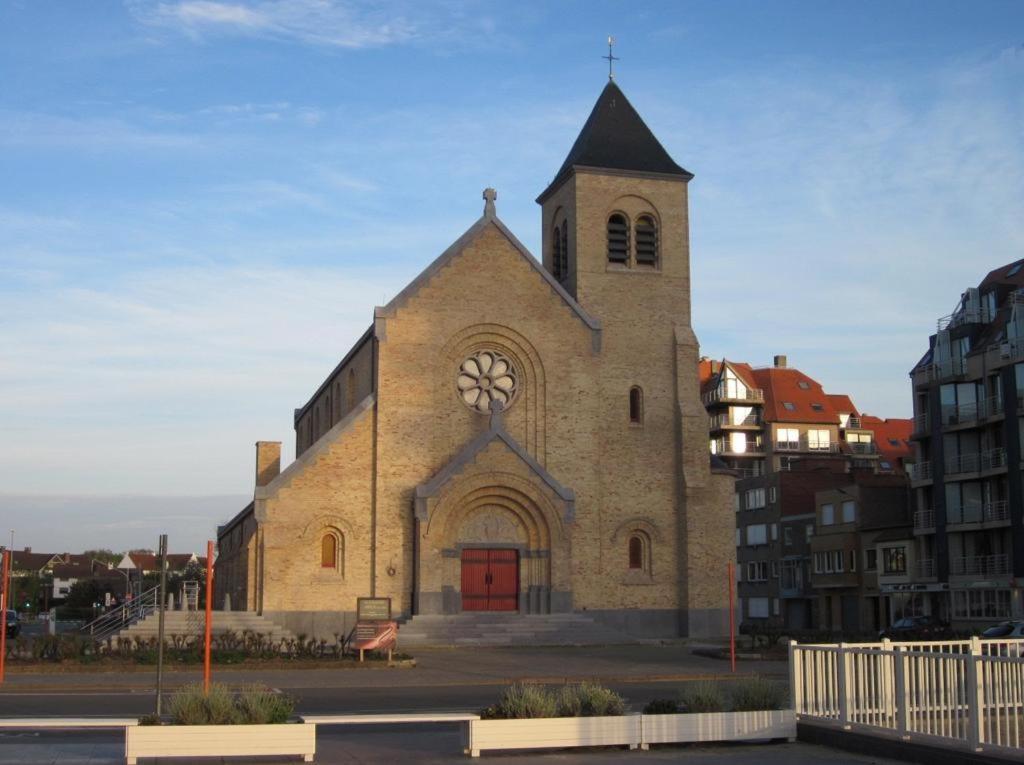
[942,370]
[924,519]
[980,565]
[725,446]
[733,393]
[976,512]
[926,567]
[853,422]
[862,447]
[920,471]
[958,319]
[723,422]
[993,459]
[959,414]
[963,463]
[921,423]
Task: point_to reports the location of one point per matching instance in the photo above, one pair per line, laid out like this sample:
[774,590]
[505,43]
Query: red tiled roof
[886,431]
[708,378]
[842,403]
[1001,275]
[781,385]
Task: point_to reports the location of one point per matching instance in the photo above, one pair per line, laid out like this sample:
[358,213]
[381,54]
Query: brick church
[512,434]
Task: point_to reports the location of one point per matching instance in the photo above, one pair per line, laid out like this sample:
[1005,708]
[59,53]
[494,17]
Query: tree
[104,555]
[84,593]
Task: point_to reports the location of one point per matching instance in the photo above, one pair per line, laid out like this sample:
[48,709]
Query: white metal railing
[993,459]
[983,565]
[961,317]
[921,422]
[977,512]
[117,619]
[853,422]
[732,393]
[725,446]
[968,694]
[720,421]
[920,471]
[926,567]
[963,463]
[924,519]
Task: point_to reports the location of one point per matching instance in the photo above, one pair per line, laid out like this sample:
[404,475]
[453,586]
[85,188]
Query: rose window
[484,377]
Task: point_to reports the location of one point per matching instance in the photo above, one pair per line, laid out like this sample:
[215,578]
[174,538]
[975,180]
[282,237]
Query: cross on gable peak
[489,196]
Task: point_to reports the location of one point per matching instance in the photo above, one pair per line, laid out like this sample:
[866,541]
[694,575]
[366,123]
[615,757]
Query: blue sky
[201,202]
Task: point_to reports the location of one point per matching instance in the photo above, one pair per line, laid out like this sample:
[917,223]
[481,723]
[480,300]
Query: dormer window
[618,239]
[646,241]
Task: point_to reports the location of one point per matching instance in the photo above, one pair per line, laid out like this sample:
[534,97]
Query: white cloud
[342,24]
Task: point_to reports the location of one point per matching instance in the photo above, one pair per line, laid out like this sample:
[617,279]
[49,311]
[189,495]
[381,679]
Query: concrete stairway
[504,629]
[193,623]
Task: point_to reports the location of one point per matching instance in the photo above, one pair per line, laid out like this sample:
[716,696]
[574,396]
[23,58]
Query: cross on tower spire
[611,57]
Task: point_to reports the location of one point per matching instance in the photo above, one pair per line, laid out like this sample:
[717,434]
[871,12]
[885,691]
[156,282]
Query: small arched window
[618,239]
[636,552]
[329,551]
[646,241]
[636,405]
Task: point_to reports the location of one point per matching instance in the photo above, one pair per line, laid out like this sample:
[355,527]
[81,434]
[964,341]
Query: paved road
[423,745]
[311,700]
[443,679]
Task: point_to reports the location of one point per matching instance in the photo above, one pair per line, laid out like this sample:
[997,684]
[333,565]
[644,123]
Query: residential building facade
[786,439]
[968,502]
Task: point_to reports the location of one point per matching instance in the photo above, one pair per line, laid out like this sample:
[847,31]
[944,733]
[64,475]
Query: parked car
[918,628]
[1005,630]
[13,625]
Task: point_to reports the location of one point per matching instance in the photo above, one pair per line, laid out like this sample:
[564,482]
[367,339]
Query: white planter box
[219,741]
[553,732]
[718,726]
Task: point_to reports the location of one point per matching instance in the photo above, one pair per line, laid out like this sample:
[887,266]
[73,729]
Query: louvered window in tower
[646,240]
[618,239]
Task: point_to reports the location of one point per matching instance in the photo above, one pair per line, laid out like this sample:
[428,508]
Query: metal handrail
[124,615]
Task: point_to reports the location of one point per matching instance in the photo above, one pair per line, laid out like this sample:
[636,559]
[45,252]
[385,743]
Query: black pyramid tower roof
[616,137]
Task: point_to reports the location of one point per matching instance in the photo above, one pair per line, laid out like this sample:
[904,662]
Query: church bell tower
[615,225]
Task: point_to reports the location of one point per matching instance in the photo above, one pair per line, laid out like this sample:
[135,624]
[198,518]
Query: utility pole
[161,603]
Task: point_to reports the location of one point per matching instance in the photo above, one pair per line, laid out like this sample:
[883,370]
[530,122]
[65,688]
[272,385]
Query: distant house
[148,563]
[28,563]
[109,579]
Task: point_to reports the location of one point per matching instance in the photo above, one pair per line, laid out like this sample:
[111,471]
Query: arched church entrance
[489,548]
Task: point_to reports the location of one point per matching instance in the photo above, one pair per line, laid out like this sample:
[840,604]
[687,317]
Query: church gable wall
[487,297]
[330,495]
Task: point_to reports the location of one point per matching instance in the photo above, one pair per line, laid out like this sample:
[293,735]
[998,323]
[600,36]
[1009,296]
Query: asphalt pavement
[421,745]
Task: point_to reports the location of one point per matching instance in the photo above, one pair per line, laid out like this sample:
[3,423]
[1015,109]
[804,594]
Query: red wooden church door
[490,580]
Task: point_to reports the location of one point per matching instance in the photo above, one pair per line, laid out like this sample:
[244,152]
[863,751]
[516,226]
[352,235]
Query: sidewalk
[438,668]
[427,746]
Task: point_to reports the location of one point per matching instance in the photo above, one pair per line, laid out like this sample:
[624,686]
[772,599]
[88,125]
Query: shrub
[190,706]
[661,707]
[757,694]
[521,701]
[150,720]
[259,705]
[704,696]
[588,700]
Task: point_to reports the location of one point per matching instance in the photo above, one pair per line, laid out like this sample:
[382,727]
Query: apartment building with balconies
[786,438]
[968,501]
